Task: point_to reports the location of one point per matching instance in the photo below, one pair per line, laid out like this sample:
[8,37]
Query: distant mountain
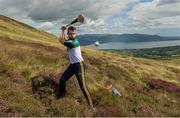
[88,39]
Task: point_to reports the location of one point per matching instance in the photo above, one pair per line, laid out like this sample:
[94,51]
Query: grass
[22,60]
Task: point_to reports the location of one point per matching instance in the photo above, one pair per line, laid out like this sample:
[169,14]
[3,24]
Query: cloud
[151,15]
[102,16]
[92,26]
[14,8]
[46,26]
[52,10]
[96,12]
[64,11]
[166,2]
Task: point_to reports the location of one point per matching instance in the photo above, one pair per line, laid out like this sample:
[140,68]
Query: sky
[161,17]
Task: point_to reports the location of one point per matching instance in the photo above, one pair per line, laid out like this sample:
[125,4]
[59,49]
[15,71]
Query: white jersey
[74,51]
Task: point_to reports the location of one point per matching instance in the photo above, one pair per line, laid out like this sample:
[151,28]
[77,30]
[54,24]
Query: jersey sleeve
[71,44]
[68,44]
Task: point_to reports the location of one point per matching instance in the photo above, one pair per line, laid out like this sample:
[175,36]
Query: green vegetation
[164,53]
[28,68]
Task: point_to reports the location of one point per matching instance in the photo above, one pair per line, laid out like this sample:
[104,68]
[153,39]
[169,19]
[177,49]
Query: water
[136,45]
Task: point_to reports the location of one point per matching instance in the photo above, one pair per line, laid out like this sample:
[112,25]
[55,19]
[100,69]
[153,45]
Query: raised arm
[62,36]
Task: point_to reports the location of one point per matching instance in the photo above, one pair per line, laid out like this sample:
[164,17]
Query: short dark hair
[72,28]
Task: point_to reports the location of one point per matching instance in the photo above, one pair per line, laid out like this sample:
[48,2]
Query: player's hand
[63,28]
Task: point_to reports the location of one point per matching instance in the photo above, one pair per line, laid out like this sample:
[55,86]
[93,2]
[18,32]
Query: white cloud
[14,8]
[99,23]
[64,11]
[164,2]
[92,26]
[68,9]
[152,15]
[45,14]
[46,26]
[52,10]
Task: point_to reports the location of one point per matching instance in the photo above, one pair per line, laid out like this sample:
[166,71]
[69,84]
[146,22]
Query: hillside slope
[15,30]
[31,60]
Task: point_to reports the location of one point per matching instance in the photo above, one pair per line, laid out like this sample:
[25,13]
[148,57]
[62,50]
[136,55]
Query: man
[76,67]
